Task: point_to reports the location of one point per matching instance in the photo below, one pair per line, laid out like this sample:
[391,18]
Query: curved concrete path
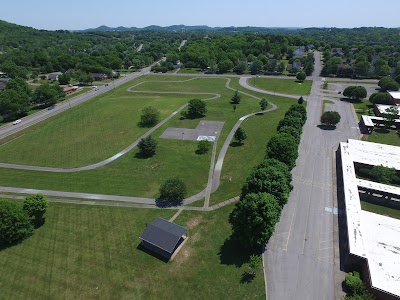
[214,174]
[243,81]
[119,154]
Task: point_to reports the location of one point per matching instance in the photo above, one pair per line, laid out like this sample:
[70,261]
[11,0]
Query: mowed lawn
[89,133]
[381,210]
[87,252]
[286,86]
[132,176]
[384,136]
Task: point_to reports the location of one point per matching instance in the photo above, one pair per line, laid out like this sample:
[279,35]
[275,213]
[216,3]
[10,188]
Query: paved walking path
[243,81]
[214,173]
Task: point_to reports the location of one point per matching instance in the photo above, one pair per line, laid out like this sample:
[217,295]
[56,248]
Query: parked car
[16,122]
[51,107]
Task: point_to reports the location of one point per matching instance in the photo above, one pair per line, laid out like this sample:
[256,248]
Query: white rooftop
[374,154]
[382,107]
[371,185]
[367,121]
[395,95]
[371,236]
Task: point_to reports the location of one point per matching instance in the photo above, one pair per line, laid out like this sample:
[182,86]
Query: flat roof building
[372,240]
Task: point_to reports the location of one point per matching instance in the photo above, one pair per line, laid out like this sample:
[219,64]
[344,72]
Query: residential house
[99,76]
[298,53]
[297,65]
[337,52]
[53,76]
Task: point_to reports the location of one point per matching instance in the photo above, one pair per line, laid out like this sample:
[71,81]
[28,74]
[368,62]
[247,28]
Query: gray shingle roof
[163,234]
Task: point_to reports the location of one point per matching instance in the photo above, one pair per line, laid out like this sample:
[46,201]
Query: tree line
[266,190]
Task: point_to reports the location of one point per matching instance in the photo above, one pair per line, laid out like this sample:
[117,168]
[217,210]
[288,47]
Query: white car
[16,122]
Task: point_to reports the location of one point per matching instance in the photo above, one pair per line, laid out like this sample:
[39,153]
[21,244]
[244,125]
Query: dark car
[51,107]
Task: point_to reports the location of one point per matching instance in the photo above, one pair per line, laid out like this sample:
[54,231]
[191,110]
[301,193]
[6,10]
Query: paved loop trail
[215,169]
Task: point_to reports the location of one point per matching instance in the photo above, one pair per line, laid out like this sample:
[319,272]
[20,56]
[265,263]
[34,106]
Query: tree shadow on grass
[349,100]
[247,277]
[382,130]
[233,253]
[164,203]
[327,127]
[235,144]
[140,155]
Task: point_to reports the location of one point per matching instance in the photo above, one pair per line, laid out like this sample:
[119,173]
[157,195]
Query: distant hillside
[180,28]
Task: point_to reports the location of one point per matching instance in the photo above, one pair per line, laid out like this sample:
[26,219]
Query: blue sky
[83,14]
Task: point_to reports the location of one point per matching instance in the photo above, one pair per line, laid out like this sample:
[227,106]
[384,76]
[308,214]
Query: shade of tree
[301,76]
[390,115]
[240,135]
[330,118]
[282,147]
[263,104]
[268,180]
[150,116]
[380,98]
[196,108]
[173,189]
[383,174]
[15,224]
[203,147]
[35,206]
[236,98]
[147,146]
[253,219]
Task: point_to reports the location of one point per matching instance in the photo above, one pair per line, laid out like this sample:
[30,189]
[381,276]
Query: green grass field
[86,252]
[381,210]
[288,86]
[384,136]
[132,176]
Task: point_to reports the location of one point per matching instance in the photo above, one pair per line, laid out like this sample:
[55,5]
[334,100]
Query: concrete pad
[206,130]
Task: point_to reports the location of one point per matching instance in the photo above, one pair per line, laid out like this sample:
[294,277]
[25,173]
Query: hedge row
[267,188]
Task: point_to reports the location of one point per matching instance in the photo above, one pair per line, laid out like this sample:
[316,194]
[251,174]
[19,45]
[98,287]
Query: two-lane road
[299,258]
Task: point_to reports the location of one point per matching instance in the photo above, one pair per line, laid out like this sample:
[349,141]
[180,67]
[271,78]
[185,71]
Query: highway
[299,260]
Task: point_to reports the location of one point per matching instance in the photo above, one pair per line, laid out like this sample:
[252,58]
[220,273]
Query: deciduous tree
[253,219]
[150,116]
[173,189]
[330,118]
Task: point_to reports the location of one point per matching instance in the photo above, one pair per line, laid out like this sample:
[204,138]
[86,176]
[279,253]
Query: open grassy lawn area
[363,107]
[287,86]
[133,176]
[86,252]
[384,136]
[190,71]
[381,210]
[240,160]
[88,133]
